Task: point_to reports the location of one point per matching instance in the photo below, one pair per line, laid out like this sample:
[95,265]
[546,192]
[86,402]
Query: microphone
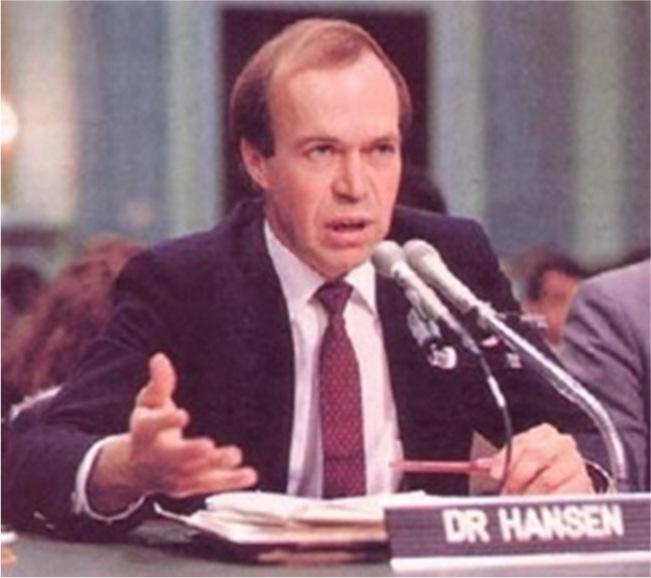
[427,262]
[389,261]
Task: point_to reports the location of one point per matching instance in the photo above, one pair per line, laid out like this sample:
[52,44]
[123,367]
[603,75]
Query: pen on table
[443,467]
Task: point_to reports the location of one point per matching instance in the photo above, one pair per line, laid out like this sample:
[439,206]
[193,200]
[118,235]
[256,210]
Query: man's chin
[342,262]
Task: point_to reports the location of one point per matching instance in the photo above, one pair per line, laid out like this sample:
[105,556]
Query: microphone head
[385,256]
[428,263]
[416,250]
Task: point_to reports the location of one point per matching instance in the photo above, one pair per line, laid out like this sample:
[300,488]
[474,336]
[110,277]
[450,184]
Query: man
[232,331]
[550,288]
[606,346]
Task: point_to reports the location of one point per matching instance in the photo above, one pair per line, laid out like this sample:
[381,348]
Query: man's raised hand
[155,457]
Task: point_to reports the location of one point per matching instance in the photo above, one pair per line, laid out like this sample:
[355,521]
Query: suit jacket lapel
[407,371]
[263,393]
[427,398]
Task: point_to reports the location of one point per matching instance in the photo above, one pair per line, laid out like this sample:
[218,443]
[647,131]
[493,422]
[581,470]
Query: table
[155,549]
[165,549]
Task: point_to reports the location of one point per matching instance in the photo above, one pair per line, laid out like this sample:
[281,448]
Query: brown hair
[74,309]
[308,43]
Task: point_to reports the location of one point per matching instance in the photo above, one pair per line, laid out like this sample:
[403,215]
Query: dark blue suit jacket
[213,303]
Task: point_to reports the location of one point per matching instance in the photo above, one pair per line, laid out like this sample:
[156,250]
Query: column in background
[457,106]
[529,90]
[600,182]
[193,113]
[633,34]
[123,130]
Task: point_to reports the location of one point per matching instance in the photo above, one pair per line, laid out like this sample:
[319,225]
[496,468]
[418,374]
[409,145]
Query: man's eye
[385,149]
[320,151]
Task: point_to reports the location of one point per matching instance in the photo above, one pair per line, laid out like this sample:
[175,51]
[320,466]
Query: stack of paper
[267,519]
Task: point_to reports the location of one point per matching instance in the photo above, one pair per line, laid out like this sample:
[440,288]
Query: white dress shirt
[308,321]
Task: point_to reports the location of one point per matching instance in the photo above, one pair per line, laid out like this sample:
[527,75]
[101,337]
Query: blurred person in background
[21,286]
[606,346]
[46,345]
[552,282]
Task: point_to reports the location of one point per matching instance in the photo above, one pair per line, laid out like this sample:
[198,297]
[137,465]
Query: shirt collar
[299,281]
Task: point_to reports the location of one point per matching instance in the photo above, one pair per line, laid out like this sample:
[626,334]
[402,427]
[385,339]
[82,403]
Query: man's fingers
[574,485]
[543,462]
[146,425]
[565,474]
[227,457]
[193,455]
[549,480]
[217,458]
[162,381]
[213,480]
[197,466]
[524,468]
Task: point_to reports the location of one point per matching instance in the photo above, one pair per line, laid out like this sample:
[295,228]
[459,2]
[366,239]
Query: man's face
[557,291]
[331,185]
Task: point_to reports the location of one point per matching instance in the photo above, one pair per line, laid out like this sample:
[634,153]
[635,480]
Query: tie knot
[334,296]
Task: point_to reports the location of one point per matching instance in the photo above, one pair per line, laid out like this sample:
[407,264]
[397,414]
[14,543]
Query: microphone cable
[500,401]
[428,333]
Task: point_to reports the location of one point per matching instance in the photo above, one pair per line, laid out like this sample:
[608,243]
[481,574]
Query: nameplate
[473,529]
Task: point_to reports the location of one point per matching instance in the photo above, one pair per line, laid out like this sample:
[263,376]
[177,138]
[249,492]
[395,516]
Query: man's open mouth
[348,225]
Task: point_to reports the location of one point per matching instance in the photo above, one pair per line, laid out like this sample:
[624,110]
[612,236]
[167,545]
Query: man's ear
[255,164]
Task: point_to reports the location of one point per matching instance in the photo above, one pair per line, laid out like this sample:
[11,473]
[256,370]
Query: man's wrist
[111,486]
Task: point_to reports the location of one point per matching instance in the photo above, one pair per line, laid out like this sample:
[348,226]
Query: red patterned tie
[340,400]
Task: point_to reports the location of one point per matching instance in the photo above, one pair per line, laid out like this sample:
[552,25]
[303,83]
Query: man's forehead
[369,77]
[287,72]
[309,59]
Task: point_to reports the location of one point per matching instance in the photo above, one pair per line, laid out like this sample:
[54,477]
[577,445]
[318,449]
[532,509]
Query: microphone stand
[564,383]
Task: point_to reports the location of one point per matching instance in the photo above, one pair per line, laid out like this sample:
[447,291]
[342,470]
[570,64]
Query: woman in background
[48,343]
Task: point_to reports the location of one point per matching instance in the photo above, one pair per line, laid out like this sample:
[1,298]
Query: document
[261,520]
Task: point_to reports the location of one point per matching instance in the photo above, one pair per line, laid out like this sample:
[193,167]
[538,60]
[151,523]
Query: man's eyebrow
[307,140]
[327,139]
[394,137]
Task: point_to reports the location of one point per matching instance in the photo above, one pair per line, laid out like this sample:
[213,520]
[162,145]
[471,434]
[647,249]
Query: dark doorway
[402,33]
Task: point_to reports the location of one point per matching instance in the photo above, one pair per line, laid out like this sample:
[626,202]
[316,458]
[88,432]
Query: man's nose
[351,181]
